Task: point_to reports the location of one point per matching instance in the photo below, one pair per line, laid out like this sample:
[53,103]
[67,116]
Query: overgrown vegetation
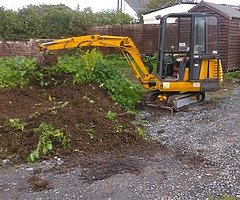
[106,71]
[54,21]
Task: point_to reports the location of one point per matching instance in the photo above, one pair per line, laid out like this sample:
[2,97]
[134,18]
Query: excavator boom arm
[125,44]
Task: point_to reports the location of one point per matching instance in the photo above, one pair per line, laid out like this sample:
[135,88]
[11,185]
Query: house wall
[229,39]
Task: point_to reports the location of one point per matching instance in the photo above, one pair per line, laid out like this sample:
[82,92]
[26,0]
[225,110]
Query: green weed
[118,128]
[16,124]
[47,135]
[90,131]
[90,59]
[111,115]
[141,132]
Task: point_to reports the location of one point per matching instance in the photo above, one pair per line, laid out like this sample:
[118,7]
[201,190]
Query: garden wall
[18,48]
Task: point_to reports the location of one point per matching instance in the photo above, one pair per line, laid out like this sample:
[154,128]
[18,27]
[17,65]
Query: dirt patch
[77,110]
[39,184]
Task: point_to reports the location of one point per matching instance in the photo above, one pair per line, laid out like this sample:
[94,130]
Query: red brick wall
[144,36]
[18,48]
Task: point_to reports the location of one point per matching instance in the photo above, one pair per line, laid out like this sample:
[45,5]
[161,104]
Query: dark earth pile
[77,110]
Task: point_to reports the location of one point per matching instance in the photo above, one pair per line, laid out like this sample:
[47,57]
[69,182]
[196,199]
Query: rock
[5,161]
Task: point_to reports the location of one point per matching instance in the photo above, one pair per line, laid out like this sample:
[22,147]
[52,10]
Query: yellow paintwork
[211,70]
[186,75]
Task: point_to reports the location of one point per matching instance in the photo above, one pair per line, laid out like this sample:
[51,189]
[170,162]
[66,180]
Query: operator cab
[186,40]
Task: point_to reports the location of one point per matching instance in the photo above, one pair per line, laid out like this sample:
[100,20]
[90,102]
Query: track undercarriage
[173,101]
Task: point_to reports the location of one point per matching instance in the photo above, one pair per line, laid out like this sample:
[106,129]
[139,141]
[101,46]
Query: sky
[96,5]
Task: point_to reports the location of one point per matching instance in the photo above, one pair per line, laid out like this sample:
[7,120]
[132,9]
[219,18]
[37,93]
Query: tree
[9,24]
[80,22]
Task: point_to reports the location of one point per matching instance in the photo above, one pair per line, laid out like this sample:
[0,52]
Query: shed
[229,32]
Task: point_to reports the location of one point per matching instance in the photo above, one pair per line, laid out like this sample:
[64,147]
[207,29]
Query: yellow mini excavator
[188,63]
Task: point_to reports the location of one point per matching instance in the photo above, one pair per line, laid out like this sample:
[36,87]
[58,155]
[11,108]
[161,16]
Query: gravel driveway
[200,160]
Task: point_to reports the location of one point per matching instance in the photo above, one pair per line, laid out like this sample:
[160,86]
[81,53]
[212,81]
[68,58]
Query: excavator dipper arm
[125,44]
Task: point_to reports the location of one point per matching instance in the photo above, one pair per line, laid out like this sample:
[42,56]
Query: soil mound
[78,110]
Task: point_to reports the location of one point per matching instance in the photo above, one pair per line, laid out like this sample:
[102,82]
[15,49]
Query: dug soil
[79,111]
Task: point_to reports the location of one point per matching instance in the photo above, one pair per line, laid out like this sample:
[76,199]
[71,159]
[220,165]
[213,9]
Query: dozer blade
[182,101]
[151,100]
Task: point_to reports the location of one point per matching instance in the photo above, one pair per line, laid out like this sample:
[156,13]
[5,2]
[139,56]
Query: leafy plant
[68,64]
[90,58]
[88,61]
[90,131]
[16,71]
[118,128]
[57,105]
[47,135]
[16,124]
[111,115]
[141,132]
